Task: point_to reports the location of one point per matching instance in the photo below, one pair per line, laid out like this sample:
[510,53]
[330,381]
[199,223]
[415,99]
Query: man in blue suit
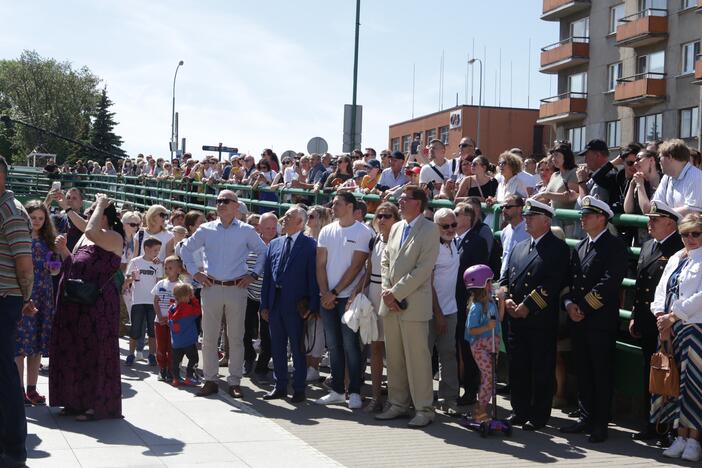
[289,286]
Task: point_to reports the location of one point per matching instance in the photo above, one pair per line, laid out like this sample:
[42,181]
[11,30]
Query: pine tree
[101,134]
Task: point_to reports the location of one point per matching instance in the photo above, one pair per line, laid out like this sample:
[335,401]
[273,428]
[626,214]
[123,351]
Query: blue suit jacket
[299,280]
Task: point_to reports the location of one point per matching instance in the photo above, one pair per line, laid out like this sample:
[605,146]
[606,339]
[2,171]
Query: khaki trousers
[408,363]
[230,302]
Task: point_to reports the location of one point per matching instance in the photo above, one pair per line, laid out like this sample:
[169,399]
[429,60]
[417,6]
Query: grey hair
[442,213]
[267,215]
[300,212]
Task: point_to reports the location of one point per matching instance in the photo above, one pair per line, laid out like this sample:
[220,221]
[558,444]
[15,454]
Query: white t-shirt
[445,277]
[289,175]
[427,174]
[149,274]
[341,243]
[164,236]
[164,291]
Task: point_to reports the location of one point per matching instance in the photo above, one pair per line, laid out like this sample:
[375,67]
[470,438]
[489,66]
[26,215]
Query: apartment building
[628,70]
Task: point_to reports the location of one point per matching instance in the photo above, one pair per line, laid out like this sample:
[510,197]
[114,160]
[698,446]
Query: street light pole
[480,96]
[355,76]
[175,75]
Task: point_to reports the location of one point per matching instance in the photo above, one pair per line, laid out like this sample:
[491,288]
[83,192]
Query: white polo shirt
[685,190]
[445,277]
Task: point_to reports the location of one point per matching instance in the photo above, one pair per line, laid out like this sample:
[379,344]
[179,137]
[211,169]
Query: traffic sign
[317,145]
[219,148]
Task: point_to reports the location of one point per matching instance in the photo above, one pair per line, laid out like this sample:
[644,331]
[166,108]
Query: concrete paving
[165,426]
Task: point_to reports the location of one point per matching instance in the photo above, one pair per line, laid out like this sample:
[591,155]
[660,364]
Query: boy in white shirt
[143,273]
[163,299]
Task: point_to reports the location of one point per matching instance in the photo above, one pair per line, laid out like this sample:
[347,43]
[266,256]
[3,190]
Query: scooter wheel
[484,429]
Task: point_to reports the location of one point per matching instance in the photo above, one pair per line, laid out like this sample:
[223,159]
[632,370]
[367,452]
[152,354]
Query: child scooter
[485,428]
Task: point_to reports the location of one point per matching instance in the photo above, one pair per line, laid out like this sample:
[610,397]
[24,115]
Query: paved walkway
[164,426]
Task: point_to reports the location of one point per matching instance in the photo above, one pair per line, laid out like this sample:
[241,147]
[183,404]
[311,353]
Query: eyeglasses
[384,216]
[449,226]
[464,145]
[225,201]
[163,215]
[134,225]
[285,163]
[693,234]
[506,207]
[630,163]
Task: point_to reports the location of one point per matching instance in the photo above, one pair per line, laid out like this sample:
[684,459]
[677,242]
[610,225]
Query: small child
[143,273]
[182,319]
[483,321]
[163,299]
[179,233]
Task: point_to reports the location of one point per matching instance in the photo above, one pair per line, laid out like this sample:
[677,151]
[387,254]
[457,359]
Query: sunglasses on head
[225,201]
[383,216]
[693,234]
[447,226]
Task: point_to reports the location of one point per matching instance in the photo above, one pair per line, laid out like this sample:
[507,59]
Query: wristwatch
[333,291]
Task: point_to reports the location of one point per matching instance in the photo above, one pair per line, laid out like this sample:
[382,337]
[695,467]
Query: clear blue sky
[276,73]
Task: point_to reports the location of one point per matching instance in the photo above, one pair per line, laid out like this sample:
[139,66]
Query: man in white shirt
[515,231]
[681,185]
[342,250]
[442,326]
[438,170]
[466,152]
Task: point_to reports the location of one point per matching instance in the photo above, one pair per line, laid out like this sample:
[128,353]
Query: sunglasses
[285,163]
[464,145]
[224,201]
[468,163]
[163,215]
[134,225]
[693,234]
[384,216]
[506,207]
[448,226]
[630,163]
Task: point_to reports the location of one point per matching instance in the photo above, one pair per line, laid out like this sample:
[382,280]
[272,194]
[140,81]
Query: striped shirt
[255,287]
[15,240]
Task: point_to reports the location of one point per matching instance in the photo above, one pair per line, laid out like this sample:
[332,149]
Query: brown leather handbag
[664,377]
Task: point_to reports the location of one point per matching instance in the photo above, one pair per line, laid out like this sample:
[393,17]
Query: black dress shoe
[466,400]
[598,436]
[575,414]
[578,427]
[530,426]
[298,397]
[515,420]
[646,434]
[275,395]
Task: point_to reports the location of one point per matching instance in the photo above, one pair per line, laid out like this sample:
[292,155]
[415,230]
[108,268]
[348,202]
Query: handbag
[82,292]
[664,376]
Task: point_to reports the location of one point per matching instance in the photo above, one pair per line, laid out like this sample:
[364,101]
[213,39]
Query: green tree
[102,135]
[48,94]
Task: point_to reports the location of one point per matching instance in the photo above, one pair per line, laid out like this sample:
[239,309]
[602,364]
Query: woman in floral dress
[34,332]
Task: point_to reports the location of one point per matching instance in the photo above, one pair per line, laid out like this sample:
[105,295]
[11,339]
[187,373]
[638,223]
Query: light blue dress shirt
[511,237]
[226,249]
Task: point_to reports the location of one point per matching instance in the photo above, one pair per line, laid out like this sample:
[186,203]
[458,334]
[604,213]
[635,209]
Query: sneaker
[163,375]
[676,449]
[175,382]
[152,360]
[312,375]
[355,401]
[325,361]
[331,398]
[130,360]
[692,450]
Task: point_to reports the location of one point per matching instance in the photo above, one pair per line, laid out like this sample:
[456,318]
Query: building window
[577,83]
[689,122]
[615,14]
[651,63]
[406,140]
[654,7]
[688,4]
[443,134]
[690,51]
[576,136]
[614,73]
[649,127]
[395,144]
[580,29]
[614,133]
[431,135]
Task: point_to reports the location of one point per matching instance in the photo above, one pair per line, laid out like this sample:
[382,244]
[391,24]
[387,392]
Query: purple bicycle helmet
[477,276]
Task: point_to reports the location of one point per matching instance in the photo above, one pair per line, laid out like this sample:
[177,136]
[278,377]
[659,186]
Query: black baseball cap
[397,155]
[595,145]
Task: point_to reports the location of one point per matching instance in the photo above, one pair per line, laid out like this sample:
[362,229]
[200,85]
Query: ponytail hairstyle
[113,221]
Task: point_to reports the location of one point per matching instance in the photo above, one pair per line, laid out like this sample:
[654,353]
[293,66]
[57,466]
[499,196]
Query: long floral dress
[84,373]
[34,333]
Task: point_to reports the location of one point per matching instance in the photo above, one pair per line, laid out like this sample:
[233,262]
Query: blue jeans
[13,424]
[344,348]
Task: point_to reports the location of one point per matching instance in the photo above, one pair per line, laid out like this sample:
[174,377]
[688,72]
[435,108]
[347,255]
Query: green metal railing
[141,193]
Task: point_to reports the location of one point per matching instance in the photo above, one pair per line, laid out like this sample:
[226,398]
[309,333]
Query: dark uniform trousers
[535,277]
[652,260]
[597,273]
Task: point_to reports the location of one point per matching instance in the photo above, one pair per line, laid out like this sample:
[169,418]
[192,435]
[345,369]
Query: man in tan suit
[406,267]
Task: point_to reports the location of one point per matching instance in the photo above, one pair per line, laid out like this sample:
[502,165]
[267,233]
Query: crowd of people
[421,294]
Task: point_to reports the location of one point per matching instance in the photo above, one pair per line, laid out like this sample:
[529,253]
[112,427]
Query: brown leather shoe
[210,388]
[235,391]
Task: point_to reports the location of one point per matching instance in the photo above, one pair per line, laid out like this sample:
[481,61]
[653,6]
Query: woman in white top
[507,181]
[155,218]
[678,308]
[386,215]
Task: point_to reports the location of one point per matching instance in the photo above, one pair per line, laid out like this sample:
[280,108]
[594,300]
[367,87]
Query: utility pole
[355,76]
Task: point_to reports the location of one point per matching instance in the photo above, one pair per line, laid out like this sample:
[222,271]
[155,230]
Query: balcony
[565,54]
[698,70]
[563,108]
[699,6]
[643,28]
[554,10]
[643,89]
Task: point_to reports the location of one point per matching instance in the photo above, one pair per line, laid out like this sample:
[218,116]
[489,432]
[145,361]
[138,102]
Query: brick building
[501,128]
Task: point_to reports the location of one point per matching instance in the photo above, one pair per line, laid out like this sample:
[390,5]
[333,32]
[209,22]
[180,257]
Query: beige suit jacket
[406,269]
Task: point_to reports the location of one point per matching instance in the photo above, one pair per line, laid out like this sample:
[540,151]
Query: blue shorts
[143,316]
